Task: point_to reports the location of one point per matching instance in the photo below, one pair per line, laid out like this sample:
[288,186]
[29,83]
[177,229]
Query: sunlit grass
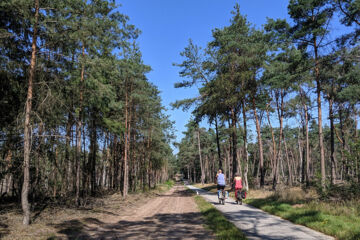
[338,219]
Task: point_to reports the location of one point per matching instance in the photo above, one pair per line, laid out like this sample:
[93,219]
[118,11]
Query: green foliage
[89,73]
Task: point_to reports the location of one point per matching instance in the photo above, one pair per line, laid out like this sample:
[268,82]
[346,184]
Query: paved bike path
[257,224]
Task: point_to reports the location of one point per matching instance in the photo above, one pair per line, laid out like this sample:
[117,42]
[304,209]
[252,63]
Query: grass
[216,222]
[339,219]
[169,183]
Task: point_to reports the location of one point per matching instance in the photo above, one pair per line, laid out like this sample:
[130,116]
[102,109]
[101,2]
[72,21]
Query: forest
[80,118]
[78,115]
[282,101]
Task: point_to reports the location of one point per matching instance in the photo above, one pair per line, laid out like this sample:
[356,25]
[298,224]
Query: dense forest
[78,115]
[282,100]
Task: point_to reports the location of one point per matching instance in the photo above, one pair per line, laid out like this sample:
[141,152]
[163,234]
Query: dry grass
[259,193]
[48,222]
[294,195]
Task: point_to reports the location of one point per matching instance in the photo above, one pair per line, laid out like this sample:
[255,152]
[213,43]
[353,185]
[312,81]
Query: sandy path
[173,215]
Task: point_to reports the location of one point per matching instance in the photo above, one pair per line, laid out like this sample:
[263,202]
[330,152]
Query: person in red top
[238,184]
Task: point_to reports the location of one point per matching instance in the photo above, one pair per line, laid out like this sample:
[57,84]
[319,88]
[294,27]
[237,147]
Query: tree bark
[332,141]
[27,132]
[67,154]
[290,179]
[127,138]
[218,143]
[261,156]
[302,162]
[79,130]
[321,141]
[234,144]
[280,110]
[93,150]
[307,146]
[246,170]
[201,162]
[273,140]
[343,141]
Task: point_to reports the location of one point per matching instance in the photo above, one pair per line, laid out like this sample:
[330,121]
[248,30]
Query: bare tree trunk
[79,130]
[258,130]
[290,179]
[85,166]
[301,156]
[93,150]
[27,132]
[332,142]
[246,170]
[218,143]
[273,159]
[307,175]
[343,141]
[201,163]
[234,144]
[321,141]
[67,154]
[280,110]
[55,171]
[188,173]
[127,138]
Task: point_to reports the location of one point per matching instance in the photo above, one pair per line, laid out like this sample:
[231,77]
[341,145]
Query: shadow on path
[159,226]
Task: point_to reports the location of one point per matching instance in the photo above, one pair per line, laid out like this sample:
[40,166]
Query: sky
[167,26]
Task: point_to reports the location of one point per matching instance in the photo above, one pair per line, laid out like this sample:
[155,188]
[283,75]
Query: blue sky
[166,27]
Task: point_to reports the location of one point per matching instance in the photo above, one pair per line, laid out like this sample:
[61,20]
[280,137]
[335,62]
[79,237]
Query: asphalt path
[257,224]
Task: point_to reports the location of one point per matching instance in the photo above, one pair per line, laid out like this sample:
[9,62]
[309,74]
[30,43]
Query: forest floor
[171,214]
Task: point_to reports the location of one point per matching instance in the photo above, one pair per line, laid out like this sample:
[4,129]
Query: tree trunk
[27,131]
[67,154]
[290,179]
[201,163]
[343,141]
[332,142]
[218,143]
[301,155]
[127,138]
[261,156]
[79,130]
[246,170]
[280,110]
[93,150]
[321,141]
[234,144]
[307,144]
[273,159]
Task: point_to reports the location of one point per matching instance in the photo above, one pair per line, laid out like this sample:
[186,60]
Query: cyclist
[220,179]
[238,185]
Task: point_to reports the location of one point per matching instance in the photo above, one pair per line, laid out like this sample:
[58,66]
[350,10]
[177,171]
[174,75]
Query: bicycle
[222,196]
[240,195]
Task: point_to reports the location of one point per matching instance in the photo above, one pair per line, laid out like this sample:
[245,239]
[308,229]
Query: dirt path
[173,215]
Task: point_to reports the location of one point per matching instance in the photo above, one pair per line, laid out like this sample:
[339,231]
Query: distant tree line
[78,115]
[266,77]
